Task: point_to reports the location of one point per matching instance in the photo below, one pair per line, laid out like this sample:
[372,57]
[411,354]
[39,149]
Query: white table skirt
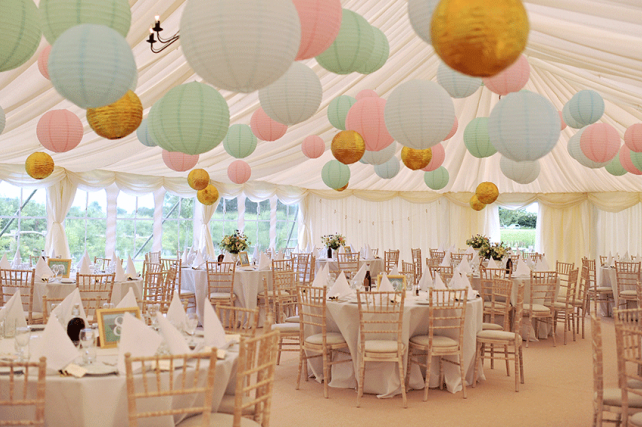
[61,290]
[382,378]
[375,265]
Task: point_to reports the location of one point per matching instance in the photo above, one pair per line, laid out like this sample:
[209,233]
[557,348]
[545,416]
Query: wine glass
[152,310]
[190,327]
[87,340]
[23,335]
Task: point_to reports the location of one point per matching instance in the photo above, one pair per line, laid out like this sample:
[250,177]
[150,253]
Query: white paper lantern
[568,118]
[458,85]
[586,107]
[419,114]
[240,45]
[520,172]
[294,97]
[420,14]
[524,126]
[389,169]
[575,151]
[379,157]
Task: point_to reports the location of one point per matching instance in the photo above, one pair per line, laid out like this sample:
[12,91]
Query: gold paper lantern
[487,192]
[342,188]
[348,147]
[208,195]
[119,119]
[476,204]
[477,37]
[198,179]
[39,165]
[415,159]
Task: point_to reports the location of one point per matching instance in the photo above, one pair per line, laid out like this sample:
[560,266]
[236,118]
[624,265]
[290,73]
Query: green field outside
[521,238]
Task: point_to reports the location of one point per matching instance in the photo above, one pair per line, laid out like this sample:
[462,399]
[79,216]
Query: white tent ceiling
[573,45]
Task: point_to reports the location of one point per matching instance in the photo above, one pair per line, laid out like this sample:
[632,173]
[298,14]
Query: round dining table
[374,265]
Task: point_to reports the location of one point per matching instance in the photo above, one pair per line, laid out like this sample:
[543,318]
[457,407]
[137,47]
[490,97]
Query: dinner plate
[67,280]
[422,302]
[98,369]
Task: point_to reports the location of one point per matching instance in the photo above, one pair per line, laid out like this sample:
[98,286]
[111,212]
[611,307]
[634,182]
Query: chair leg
[507,361]
[403,388]
[326,372]
[478,360]
[462,372]
[362,374]
[528,330]
[492,356]
[517,362]
[301,359]
[521,365]
[428,362]
[278,355]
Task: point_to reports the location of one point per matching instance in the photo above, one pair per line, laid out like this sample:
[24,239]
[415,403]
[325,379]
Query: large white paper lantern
[91,65]
[379,157]
[520,172]
[379,54]
[586,107]
[294,97]
[240,45]
[476,138]
[21,32]
[575,150]
[420,14]
[419,114]
[524,126]
[457,85]
[389,169]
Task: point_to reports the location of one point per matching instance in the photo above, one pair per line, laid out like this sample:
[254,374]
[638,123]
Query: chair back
[95,284]
[102,264]
[563,270]
[22,396]
[437,254]
[457,257]
[603,259]
[166,263]
[381,317]
[628,274]
[447,313]
[568,288]
[155,291]
[348,263]
[497,300]
[534,256]
[582,291]
[311,302]
[22,280]
[542,288]
[89,304]
[238,320]
[283,293]
[302,267]
[492,273]
[153,257]
[390,260]
[445,271]
[173,278]
[416,260]
[408,270]
[628,341]
[220,277]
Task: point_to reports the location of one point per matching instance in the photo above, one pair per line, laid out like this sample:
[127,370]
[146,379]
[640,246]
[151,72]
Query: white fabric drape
[159,197]
[111,194]
[620,232]
[273,206]
[205,237]
[60,197]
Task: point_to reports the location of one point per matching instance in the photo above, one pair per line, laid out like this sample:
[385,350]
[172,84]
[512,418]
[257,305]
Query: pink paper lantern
[562,120]
[600,142]
[453,131]
[239,171]
[43,59]
[438,157]
[313,146]
[59,130]
[180,162]
[633,137]
[625,161]
[265,128]
[512,79]
[366,93]
[366,118]
[320,24]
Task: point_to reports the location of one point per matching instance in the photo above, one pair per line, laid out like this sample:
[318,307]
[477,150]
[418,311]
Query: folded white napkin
[321,279]
[612,262]
[4,263]
[84,258]
[136,338]
[341,250]
[129,300]
[462,282]
[42,270]
[185,257]
[255,254]
[264,262]
[213,332]
[53,253]
[131,269]
[426,281]
[198,261]
[13,310]
[361,274]
[228,257]
[340,289]
[120,273]
[114,260]
[176,313]
[385,285]
[362,252]
[173,338]
[464,266]
[352,249]
[522,269]
[63,310]
[544,264]
[492,264]
[280,256]
[16,259]
[438,282]
[369,254]
[441,247]
[55,345]
[470,250]
[475,260]
[394,271]
[447,259]
[84,266]
[637,259]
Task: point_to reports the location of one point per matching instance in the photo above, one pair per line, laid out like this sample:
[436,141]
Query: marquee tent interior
[572,45]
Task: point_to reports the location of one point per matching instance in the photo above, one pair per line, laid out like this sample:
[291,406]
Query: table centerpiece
[333,242]
[235,243]
[496,251]
[477,241]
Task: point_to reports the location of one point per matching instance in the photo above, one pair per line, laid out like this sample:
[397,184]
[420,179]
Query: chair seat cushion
[282,293]
[498,305]
[437,341]
[381,346]
[330,338]
[496,335]
[293,319]
[537,307]
[221,295]
[629,293]
[560,305]
[227,405]
[613,397]
[492,327]
[186,293]
[219,420]
[604,289]
[286,327]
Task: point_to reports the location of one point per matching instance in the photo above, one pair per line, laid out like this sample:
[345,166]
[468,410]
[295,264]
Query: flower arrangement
[333,241]
[478,241]
[235,242]
[497,251]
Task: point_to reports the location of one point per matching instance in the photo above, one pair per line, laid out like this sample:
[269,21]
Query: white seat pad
[330,337]
[537,307]
[286,327]
[437,341]
[381,346]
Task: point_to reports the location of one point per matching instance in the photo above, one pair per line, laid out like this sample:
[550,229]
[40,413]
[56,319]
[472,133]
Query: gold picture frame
[66,263]
[244,259]
[109,324]
[398,281]
[347,249]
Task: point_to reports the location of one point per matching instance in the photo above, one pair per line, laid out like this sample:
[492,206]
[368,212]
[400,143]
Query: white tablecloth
[375,266]
[61,290]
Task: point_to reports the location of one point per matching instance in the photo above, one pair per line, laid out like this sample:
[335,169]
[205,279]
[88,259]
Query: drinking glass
[9,328]
[88,341]
[21,342]
[151,312]
[109,305]
[190,327]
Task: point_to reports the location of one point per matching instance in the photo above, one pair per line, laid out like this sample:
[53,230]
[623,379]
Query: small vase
[329,253]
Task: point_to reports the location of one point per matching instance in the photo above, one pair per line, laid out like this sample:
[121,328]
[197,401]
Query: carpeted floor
[558,391]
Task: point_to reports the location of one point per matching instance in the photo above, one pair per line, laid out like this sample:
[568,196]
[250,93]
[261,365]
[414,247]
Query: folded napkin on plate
[264,262]
[341,250]
[426,281]
[176,313]
[43,272]
[475,260]
[369,254]
[447,259]
[131,269]
[321,279]
[213,332]
[361,274]
[544,264]
[198,261]
[136,338]
[492,264]
[460,281]
[173,338]
[394,271]
[256,254]
[13,310]
[84,266]
[228,257]
[185,257]
[53,253]
[129,300]
[352,249]
[4,263]
[522,269]
[280,256]
[85,257]
[120,273]
[55,345]
[438,282]
[340,289]
[385,285]
[464,266]
[16,259]
[441,247]
[63,310]
[470,250]
[114,260]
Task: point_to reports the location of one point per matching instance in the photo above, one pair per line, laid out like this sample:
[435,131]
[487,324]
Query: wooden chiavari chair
[238,320]
[220,282]
[91,285]
[416,260]
[539,305]
[22,396]
[628,342]
[23,281]
[390,260]
[628,274]
[563,308]
[348,263]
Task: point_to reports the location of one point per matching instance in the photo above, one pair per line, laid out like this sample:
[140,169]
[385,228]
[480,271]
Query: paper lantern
[457,85]
[476,39]
[453,130]
[198,179]
[476,204]
[320,24]
[633,137]
[59,130]
[366,117]
[91,65]
[415,159]
[348,147]
[600,142]
[389,169]
[379,54]
[520,172]
[512,79]
[240,45]
[626,162]
[180,162]
[118,119]
[437,179]
[487,192]
[420,14]
[345,187]
[379,157]
[476,138]
[366,93]
[335,174]
[438,157]
[313,146]
[39,165]
[615,168]
[3,120]
[562,120]
[576,152]
[239,172]
[21,32]
[351,48]
[43,59]
[294,97]
[338,110]
[524,126]
[568,118]
[265,128]
[636,159]
[142,133]
[208,195]
[191,118]
[239,142]
[586,107]
[419,114]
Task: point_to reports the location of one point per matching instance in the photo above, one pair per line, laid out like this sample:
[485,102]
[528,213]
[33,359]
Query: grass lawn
[518,237]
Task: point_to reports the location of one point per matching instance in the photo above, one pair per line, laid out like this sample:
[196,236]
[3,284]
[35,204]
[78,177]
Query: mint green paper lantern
[335,174]
[91,65]
[352,47]
[191,118]
[636,158]
[379,54]
[239,142]
[57,16]
[476,138]
[338,110]
[142,133]
[615,167]
[568,118]
[437,179]
[389,169]
[20,32]
[586,107]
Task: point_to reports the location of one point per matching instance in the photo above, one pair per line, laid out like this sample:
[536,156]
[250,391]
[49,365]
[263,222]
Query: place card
[74,370]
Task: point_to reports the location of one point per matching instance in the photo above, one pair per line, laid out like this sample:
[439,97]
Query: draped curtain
[60,197]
